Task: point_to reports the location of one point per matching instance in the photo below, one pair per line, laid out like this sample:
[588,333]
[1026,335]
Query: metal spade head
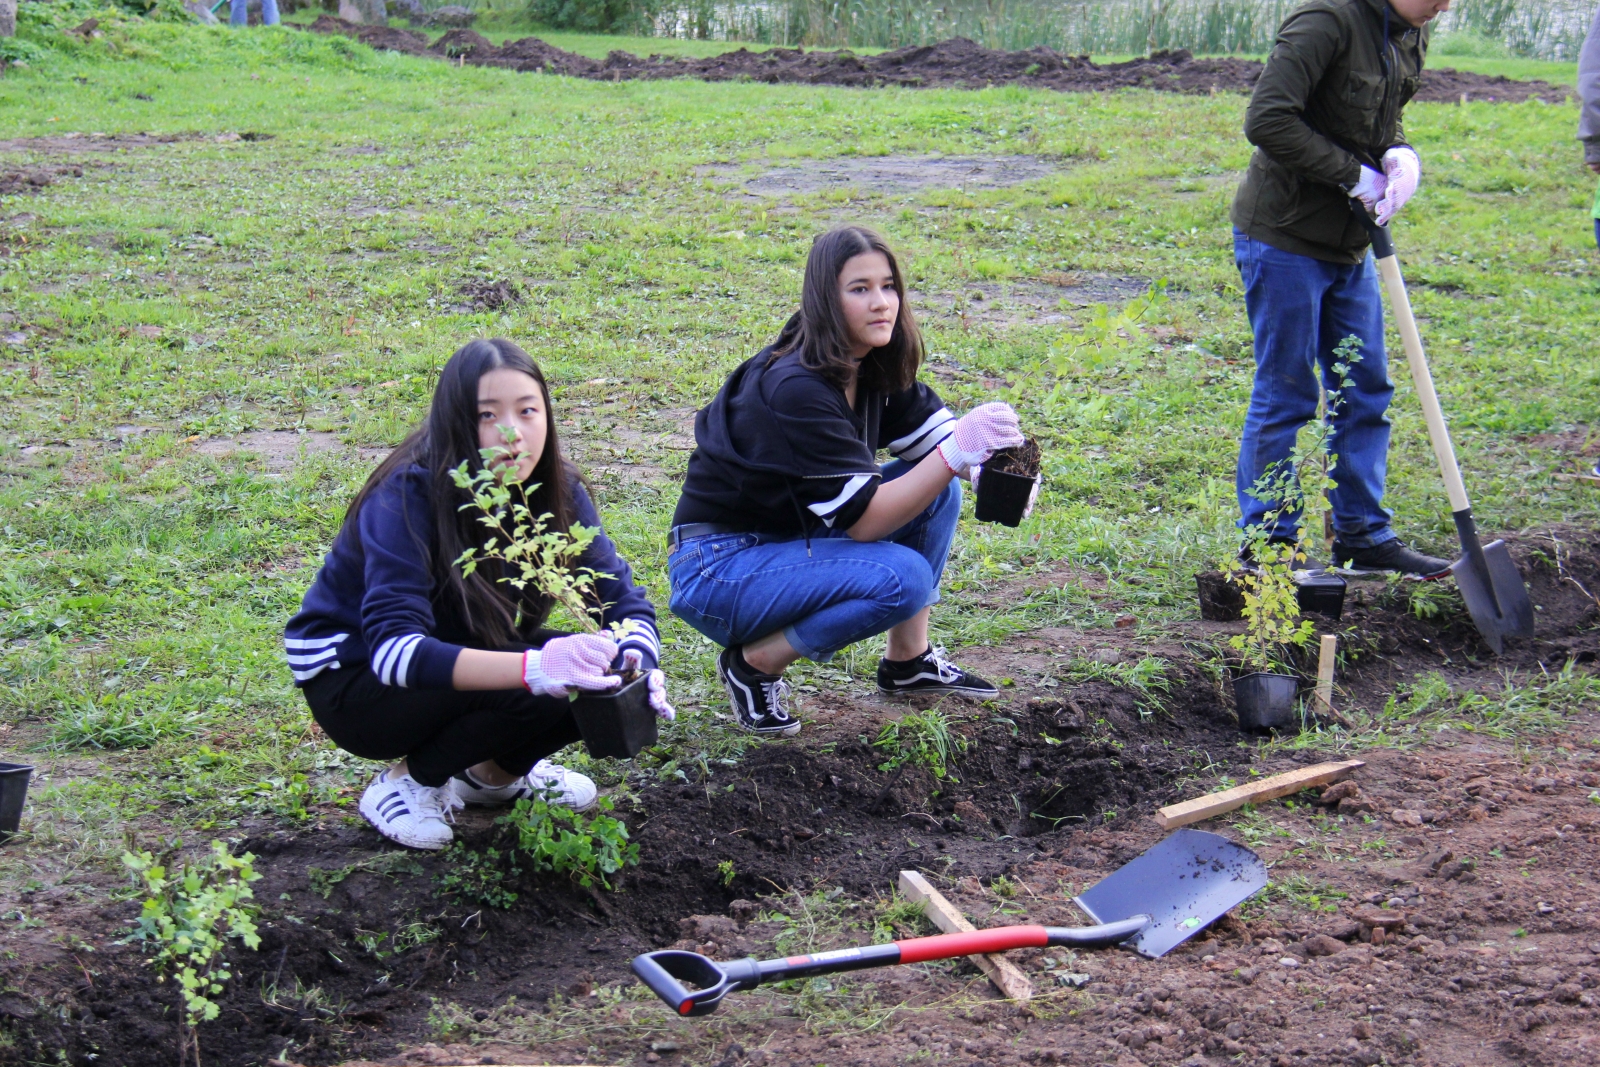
[1184,884]
[1496,598]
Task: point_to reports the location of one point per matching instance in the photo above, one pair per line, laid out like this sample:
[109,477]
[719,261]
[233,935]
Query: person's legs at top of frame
[239,12]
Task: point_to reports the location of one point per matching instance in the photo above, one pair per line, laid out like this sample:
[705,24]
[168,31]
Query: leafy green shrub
[593,16]
[921,737]
[187,921]
[556,838]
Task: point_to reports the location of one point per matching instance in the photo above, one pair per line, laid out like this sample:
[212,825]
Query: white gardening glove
[633,660]
[568,664]
[1403,170]
[979,434]
[1370,189]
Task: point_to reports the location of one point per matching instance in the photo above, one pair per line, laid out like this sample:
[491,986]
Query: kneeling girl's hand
[979,434]
[565,664]
[633,660]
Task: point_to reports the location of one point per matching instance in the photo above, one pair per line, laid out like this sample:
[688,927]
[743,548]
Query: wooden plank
[1586,479]
[947,917]
[1327,658]
[1279,785]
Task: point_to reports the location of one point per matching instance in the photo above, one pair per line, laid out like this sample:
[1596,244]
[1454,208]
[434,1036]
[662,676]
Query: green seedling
[556,838]
[921,738]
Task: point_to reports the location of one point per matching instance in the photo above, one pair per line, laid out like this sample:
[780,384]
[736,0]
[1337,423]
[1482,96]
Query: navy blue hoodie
[373,601]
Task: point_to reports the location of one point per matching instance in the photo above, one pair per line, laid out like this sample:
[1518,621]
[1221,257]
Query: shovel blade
[1496,598]
[1184,884]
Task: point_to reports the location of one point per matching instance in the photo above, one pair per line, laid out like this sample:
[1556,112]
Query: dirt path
[1474,855]
[956,63]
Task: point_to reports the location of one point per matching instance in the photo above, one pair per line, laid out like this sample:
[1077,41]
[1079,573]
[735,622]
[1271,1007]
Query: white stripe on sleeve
[393,653]
[919,442]
[825,510]
[303,643]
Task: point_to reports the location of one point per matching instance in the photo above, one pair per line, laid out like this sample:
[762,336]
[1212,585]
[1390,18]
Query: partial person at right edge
[789,541]
[1325,120]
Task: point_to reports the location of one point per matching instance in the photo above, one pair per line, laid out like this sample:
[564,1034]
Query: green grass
[199,290]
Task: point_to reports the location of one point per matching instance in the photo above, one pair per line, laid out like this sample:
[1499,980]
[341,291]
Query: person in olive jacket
[1325,118]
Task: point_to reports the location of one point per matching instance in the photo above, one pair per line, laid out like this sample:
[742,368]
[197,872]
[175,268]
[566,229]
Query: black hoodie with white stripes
[374,603]
[779,451]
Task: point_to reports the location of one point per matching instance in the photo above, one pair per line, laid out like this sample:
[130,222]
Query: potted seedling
[530,554]
[1008,482]
[1263,695]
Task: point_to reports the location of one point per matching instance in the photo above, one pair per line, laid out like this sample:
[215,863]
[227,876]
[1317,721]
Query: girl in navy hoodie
[402,658]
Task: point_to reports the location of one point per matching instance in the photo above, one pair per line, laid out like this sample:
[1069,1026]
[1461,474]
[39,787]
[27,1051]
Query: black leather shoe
[1391,557]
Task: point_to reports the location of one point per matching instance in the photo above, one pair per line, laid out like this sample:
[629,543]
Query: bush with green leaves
[187,921]
[556,838]
[594,16]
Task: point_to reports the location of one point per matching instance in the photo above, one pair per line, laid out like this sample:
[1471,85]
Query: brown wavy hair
[818,331]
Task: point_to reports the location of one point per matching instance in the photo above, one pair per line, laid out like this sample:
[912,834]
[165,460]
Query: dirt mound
[406,41]
[27,180]
[956,63]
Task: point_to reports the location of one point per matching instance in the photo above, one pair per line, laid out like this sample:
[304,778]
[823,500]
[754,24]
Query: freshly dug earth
[956,63]
[1473,856]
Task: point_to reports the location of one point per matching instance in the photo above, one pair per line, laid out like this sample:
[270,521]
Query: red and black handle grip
[666,972]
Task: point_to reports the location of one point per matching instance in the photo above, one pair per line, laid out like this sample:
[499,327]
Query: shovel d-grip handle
[666,972]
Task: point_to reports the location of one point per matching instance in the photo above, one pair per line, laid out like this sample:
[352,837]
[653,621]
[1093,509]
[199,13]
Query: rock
[1356,806]
[1342,929]
[1405,817]
[452,16]
[1323,945]
[742,911]
[1338,791]
[1388,920]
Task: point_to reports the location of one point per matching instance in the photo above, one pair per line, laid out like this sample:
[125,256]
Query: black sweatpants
[440,732]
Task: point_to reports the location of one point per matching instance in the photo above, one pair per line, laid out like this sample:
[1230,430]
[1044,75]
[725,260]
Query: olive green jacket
[1328,100]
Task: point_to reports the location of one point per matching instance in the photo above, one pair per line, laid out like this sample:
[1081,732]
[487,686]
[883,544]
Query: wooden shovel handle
[1421,377]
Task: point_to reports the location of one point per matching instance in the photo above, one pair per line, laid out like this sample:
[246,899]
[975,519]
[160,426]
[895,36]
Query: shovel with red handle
[666,972]
[1489,581]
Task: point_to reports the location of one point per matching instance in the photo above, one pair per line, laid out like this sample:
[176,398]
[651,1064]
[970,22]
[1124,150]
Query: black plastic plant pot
[1266,702]
[1320,593]
[617,725]
[1003,497]
[13,791]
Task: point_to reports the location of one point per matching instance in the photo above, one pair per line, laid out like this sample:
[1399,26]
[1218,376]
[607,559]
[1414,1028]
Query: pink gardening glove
[568,664]
[1404,171]
[979,434]
[633,660]
[1370,188]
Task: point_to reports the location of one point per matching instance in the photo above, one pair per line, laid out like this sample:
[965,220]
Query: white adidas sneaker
[406,811]
[547,781]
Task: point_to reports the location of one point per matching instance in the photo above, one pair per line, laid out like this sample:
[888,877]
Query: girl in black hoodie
[789,540]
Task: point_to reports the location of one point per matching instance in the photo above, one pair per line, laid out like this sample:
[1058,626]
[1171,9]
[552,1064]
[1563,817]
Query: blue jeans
[736,588]
[239,12]
[1300,309]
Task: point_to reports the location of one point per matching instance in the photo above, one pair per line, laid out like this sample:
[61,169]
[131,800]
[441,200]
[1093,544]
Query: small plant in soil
[528,550]
[922,738]
[556,838]
[1024,460]
[187,922]
[478,877]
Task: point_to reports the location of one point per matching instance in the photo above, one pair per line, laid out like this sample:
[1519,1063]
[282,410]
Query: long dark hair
[818,330]
[489,609]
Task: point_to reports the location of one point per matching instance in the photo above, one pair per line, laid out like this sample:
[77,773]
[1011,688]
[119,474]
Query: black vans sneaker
[758,699]
[931,672]
[1389,557]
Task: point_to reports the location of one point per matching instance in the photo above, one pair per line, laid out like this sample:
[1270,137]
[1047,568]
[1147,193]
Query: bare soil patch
[281,450]
[955,63]
[1463,849]
[889,174]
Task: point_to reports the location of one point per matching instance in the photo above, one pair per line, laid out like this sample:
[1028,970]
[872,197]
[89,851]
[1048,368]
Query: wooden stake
[1279,785]
[947,917]
[1327,656]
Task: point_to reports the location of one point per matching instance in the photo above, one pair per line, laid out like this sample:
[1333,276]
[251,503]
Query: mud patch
[1029,303]
[488,294]
[29,180]
[282,450]
[890,174]
[955,63]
